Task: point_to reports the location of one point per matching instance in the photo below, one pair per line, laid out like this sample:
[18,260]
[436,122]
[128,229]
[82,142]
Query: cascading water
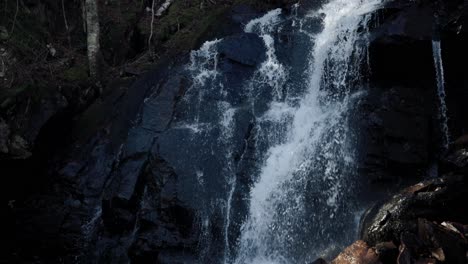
[299,200]
[283,226]
[439,67]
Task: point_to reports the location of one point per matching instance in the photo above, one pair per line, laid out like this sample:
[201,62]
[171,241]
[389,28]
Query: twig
[66,24]
[151,33]
[14,20]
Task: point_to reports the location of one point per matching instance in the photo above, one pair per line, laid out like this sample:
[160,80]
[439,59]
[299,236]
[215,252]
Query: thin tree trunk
[151,29]
[92,28]
[66,24]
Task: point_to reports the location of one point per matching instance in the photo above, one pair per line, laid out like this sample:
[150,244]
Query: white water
[271,72]
[227,125]
[316,143]
[300,204]
[439,67]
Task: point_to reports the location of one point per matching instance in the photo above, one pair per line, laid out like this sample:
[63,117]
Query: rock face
[399,124]
[121,188]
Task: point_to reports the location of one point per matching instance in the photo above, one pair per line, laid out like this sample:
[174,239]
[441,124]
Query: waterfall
[292,197]
[317,150]
[439,67]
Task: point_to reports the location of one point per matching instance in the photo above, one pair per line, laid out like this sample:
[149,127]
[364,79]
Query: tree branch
[66,24]
[14,19]
[151,26]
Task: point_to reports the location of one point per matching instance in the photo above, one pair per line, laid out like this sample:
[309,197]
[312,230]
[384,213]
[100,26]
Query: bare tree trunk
[92,29]
[164,7]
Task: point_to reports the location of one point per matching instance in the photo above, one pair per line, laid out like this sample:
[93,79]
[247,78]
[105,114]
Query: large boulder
[422,221]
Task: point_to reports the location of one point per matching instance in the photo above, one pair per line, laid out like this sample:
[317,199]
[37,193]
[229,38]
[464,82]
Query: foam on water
[204,62]
[271,71]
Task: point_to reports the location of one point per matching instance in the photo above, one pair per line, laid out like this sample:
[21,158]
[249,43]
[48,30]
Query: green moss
[76,73]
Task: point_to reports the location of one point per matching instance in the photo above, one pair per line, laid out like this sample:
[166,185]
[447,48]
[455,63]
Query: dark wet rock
[387,252]
[423,222]
[396,134]
[398,111]
[242,14]
[437,200]
[319,261]
[432,243]
[444,243]
[400,114]
[149,184]
[246,48]
[118,216]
